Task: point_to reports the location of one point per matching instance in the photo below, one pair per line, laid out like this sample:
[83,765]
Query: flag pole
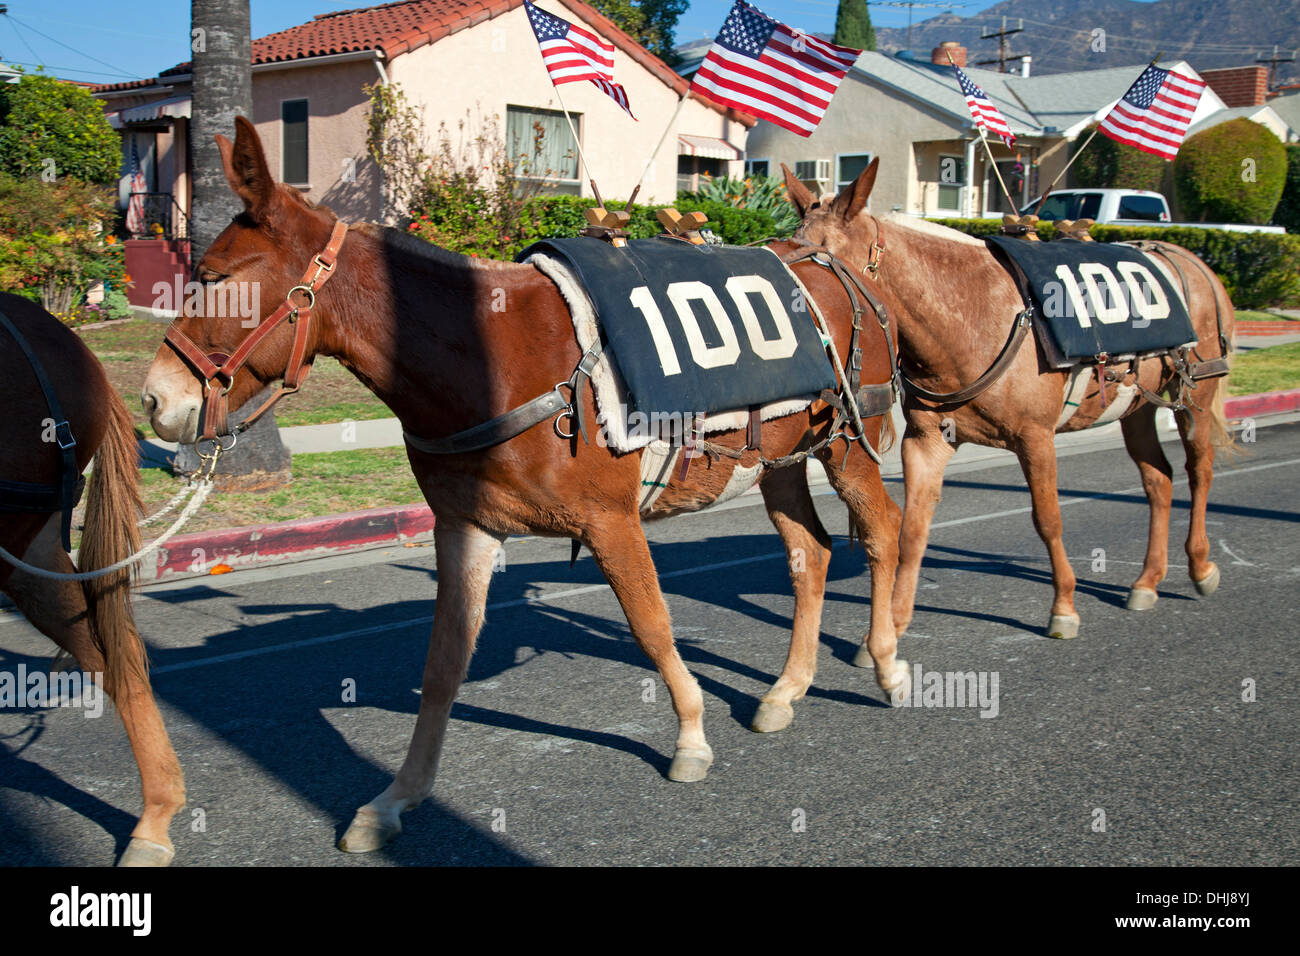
[578,142]
[1077,153]
[667,129]
[1015,210]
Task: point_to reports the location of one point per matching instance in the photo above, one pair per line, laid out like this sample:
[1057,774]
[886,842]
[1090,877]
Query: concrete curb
[1263,403]
[202,552]
[198,554]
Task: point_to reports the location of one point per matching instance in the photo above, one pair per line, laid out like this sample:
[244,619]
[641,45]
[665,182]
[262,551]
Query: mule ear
[246,169]
[801,196]
[853,199]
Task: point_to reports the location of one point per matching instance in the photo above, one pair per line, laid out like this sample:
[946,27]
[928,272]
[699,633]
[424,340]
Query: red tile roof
[406,25]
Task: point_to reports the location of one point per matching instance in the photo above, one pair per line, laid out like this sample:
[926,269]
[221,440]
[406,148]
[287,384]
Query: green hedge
[1258,269]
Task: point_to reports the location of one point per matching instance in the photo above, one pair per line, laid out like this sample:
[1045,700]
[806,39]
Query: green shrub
[1287,212]
[44,119]
[55,241]
[1232,172]
[763,193]
[1259,269]
[1106,164]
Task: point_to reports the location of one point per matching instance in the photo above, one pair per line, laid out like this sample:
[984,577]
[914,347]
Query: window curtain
[541,144]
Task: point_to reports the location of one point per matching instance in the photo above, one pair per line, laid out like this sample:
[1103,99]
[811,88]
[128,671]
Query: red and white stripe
[787,86]
[579,56]
[1161,128]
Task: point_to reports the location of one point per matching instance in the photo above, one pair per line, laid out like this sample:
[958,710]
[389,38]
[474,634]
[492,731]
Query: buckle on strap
[63,435]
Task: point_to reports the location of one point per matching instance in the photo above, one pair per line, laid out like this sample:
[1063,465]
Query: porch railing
[160,210]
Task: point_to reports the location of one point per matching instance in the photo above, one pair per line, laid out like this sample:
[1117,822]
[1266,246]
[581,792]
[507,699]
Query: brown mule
[90,620]
[954,305]
[418,326]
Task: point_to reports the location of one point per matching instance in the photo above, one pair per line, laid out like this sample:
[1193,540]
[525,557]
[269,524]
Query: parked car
[1123,207]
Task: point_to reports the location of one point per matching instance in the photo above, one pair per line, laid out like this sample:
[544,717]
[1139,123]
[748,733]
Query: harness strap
[69,474]
[991,375]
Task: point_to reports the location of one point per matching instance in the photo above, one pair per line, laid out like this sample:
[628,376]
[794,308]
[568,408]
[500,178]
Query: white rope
[187,489]
[200,495]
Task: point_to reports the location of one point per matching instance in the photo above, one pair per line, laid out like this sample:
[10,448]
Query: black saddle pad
[698,329]
[1095,297]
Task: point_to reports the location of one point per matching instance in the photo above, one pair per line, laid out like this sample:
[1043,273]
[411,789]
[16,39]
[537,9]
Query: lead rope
[201,486]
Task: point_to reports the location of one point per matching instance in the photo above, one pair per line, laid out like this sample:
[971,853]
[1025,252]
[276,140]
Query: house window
[952,177]
[758,167]
[848,167]
[542,147]
[293,118]
[813,173]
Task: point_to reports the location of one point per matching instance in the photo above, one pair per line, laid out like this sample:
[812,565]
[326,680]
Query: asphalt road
[555,757]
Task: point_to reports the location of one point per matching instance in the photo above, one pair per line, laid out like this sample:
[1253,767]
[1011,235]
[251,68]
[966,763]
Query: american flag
[137,185]
[572,54]
[986,115]
[1156,111]
[765,69]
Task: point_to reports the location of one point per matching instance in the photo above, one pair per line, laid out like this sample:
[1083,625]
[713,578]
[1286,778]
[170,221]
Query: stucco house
[910,112]
[453,59]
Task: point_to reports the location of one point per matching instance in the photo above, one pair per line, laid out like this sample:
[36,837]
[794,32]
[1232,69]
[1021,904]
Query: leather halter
[218,370]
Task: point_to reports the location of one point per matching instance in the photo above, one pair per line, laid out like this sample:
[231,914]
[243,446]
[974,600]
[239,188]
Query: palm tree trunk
[222,90]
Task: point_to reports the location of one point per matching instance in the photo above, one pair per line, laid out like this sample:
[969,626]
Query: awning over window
[176,107]
[706,146]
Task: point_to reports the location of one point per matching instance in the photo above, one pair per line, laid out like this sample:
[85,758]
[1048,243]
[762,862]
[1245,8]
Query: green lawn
[1271,369]
[330,394]
[1250,315]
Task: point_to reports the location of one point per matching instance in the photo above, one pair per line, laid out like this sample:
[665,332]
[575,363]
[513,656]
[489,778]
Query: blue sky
[107,41]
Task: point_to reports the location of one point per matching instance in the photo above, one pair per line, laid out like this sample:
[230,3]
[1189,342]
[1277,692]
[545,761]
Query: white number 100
[682,294]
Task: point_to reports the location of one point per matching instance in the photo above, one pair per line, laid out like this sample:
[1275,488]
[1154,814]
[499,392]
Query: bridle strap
[218,370]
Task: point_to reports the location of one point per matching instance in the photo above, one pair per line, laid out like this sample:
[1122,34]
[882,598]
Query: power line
[67,69]
[1003,55]
[26,26]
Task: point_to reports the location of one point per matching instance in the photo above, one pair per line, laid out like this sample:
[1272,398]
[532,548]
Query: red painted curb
[1286,327]
[198,553]
[1264,403]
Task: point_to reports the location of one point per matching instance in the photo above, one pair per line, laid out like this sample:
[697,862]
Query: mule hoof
[690,766]
[1208,584]
[899,685]
[140,852]
[1141,599]
[772,717]
[1063,627]
[863,658]
[365,835]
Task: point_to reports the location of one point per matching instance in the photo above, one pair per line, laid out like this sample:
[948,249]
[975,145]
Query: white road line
[427,620]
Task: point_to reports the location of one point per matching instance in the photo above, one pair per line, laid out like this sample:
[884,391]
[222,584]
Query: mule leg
[808,551]
[1143,444]
[925,455]
[618,544]
[877,519]
[1037,454]
[465,555]
[1200,474]
[58,610]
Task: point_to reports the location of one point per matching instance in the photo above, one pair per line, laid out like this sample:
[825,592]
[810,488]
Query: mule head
[242,278]
[836,224]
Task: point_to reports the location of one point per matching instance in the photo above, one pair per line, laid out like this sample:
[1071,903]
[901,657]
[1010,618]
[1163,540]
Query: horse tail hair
[111,533]
[1220,430]
[888,435]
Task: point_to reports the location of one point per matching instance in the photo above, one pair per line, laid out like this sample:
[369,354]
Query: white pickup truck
[1123,207]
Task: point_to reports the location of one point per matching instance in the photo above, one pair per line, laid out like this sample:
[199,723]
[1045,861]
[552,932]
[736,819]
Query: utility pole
[1273,64]
[1002,35]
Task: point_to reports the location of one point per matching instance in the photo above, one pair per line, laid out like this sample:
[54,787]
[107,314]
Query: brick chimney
[1239,85]
[940,53]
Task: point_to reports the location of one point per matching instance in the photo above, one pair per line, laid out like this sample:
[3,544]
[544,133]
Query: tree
[51,129]
[1106,164]
[1287,212]
[650,22]
[853,25]
[223,89]
[1231,172]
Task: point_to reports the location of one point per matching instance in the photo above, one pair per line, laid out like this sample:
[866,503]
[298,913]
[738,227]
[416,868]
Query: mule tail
[111,533]
[1220,430]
